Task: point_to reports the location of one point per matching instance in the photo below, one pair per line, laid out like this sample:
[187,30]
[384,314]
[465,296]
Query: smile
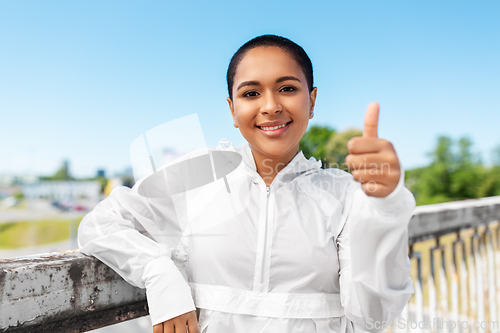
[274,127]
[274,131]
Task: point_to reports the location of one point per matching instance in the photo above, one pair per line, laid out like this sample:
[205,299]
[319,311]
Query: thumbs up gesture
[373,161]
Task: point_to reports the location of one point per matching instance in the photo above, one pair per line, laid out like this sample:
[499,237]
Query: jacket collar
[298,165]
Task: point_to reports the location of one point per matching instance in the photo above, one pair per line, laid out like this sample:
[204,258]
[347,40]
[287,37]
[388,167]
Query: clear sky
[80,80]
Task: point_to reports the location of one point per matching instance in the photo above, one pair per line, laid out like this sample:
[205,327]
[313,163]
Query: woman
[306,250]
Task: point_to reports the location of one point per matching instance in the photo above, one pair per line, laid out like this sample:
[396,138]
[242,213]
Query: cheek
[300,106]
[243,113]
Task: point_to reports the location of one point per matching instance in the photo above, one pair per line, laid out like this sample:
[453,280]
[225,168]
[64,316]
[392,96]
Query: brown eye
[288,89]
[250,94]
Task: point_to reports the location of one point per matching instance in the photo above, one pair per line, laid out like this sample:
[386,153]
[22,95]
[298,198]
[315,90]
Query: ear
[231,107]
[312,99]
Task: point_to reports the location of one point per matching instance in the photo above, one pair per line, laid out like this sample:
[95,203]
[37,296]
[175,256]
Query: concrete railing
[455,252]
[64,292]
[70,292]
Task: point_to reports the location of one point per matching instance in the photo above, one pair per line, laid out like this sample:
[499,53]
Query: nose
[271,104]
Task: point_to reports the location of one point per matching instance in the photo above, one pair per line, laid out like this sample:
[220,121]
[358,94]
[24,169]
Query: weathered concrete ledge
[430,221]
[64,292]
[70,292]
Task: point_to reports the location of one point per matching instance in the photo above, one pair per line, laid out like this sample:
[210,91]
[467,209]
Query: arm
[373,244]
[373,253]
[133,236]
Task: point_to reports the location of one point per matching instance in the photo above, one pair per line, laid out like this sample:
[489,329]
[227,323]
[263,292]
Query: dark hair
[283,43]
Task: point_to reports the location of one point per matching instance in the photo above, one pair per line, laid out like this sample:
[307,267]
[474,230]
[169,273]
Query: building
[63,189]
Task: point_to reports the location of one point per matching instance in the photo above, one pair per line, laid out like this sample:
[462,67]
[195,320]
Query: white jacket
[310,253]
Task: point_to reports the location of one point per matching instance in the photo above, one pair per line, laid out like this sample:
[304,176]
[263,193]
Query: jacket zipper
[262,273]
[263,260]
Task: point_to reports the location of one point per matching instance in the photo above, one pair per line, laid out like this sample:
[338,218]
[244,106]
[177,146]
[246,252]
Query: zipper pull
[268,189]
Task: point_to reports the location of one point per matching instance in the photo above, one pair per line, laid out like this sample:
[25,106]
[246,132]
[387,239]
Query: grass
[30,233]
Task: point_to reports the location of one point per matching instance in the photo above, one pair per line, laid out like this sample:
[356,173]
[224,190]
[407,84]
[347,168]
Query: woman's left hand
[373,161]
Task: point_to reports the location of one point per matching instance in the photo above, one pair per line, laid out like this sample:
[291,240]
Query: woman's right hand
[178,324]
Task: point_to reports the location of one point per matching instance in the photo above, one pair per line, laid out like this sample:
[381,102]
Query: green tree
[453,174]
[63,173]
[436,178]
[314,140]
[336,148]
[491,184]
[468,174]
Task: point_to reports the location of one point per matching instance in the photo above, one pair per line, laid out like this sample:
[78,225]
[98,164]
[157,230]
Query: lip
[277,132]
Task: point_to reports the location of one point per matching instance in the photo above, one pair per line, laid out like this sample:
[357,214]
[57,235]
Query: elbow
[86,232]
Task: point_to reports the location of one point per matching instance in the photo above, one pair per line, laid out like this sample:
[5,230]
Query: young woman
[307,250]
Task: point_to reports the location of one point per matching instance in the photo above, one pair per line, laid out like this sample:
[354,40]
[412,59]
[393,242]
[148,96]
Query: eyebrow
[286,78]
[257,83]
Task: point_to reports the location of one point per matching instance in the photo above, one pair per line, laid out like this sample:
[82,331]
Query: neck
[269,166]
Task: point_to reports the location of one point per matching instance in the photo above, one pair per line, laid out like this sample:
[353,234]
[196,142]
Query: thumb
[371,121]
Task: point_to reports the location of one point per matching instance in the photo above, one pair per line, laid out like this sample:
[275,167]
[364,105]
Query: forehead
[267,63]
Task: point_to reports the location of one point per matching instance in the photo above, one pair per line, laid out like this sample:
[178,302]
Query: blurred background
[79,81]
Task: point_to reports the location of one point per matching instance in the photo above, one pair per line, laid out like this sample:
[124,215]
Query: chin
[275,149]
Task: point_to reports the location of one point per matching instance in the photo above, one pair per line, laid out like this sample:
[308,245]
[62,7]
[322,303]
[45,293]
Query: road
[37,210]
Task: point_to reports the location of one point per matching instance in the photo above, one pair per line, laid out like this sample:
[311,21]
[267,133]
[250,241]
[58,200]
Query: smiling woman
[271,100]
[306,249]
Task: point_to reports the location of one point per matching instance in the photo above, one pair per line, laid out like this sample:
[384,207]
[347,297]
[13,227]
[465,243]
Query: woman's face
[269,90]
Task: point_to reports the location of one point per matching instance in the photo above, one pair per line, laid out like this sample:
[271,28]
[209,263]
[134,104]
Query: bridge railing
[455,254]
[454,249]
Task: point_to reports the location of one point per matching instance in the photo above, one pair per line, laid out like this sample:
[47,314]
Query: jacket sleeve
[372,244]
[134,235]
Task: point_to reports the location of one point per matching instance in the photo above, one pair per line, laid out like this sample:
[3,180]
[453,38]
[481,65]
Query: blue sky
[80,80]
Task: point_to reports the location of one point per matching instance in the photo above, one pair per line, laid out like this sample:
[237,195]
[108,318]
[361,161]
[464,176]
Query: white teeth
[273,128]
